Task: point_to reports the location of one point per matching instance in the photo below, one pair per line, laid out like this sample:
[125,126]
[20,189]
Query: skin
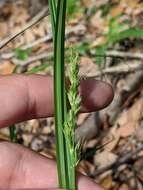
[27,97]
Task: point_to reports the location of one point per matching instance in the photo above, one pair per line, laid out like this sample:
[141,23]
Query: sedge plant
[67,102]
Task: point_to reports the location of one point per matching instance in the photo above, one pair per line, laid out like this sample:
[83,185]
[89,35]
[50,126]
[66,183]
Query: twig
[120,69]
[123,55]
[119,54]
[10,55]
[75,29]
[33,59]
[35,20]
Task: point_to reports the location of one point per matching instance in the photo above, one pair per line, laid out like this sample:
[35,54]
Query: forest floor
[108,35]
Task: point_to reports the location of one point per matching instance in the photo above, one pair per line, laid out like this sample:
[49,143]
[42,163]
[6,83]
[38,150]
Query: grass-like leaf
[115,38]
[100,53]
[58,26]
[38,68]
[65,148]
[13,133]
[129,33]
[53,11]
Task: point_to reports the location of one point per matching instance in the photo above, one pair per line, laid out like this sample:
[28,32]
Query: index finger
[25,97]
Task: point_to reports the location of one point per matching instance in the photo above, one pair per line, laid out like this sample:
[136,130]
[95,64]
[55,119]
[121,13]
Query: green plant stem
[59,91]
[66,171]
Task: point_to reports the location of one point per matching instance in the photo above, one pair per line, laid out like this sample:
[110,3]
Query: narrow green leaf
[66,172]
[13,133]
[38,68]
[53,11]
[129,33]
[58,26]
[100,53]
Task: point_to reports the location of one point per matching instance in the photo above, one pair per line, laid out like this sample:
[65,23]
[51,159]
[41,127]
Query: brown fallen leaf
[108,182]
[114,138]
[3,29]
[99,23]
[87,67]
[85,167]
[124,187]
[6,68]
[118,10]
[128,121]
[105,158]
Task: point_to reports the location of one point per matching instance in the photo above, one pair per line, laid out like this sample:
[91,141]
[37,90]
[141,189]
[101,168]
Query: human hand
[27,97]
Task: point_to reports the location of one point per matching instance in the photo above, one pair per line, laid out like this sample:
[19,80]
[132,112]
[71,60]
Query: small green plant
[66,104]
[73,7]
[23,54]
[39,68]
[117,32]
[13,133]
[105,9]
